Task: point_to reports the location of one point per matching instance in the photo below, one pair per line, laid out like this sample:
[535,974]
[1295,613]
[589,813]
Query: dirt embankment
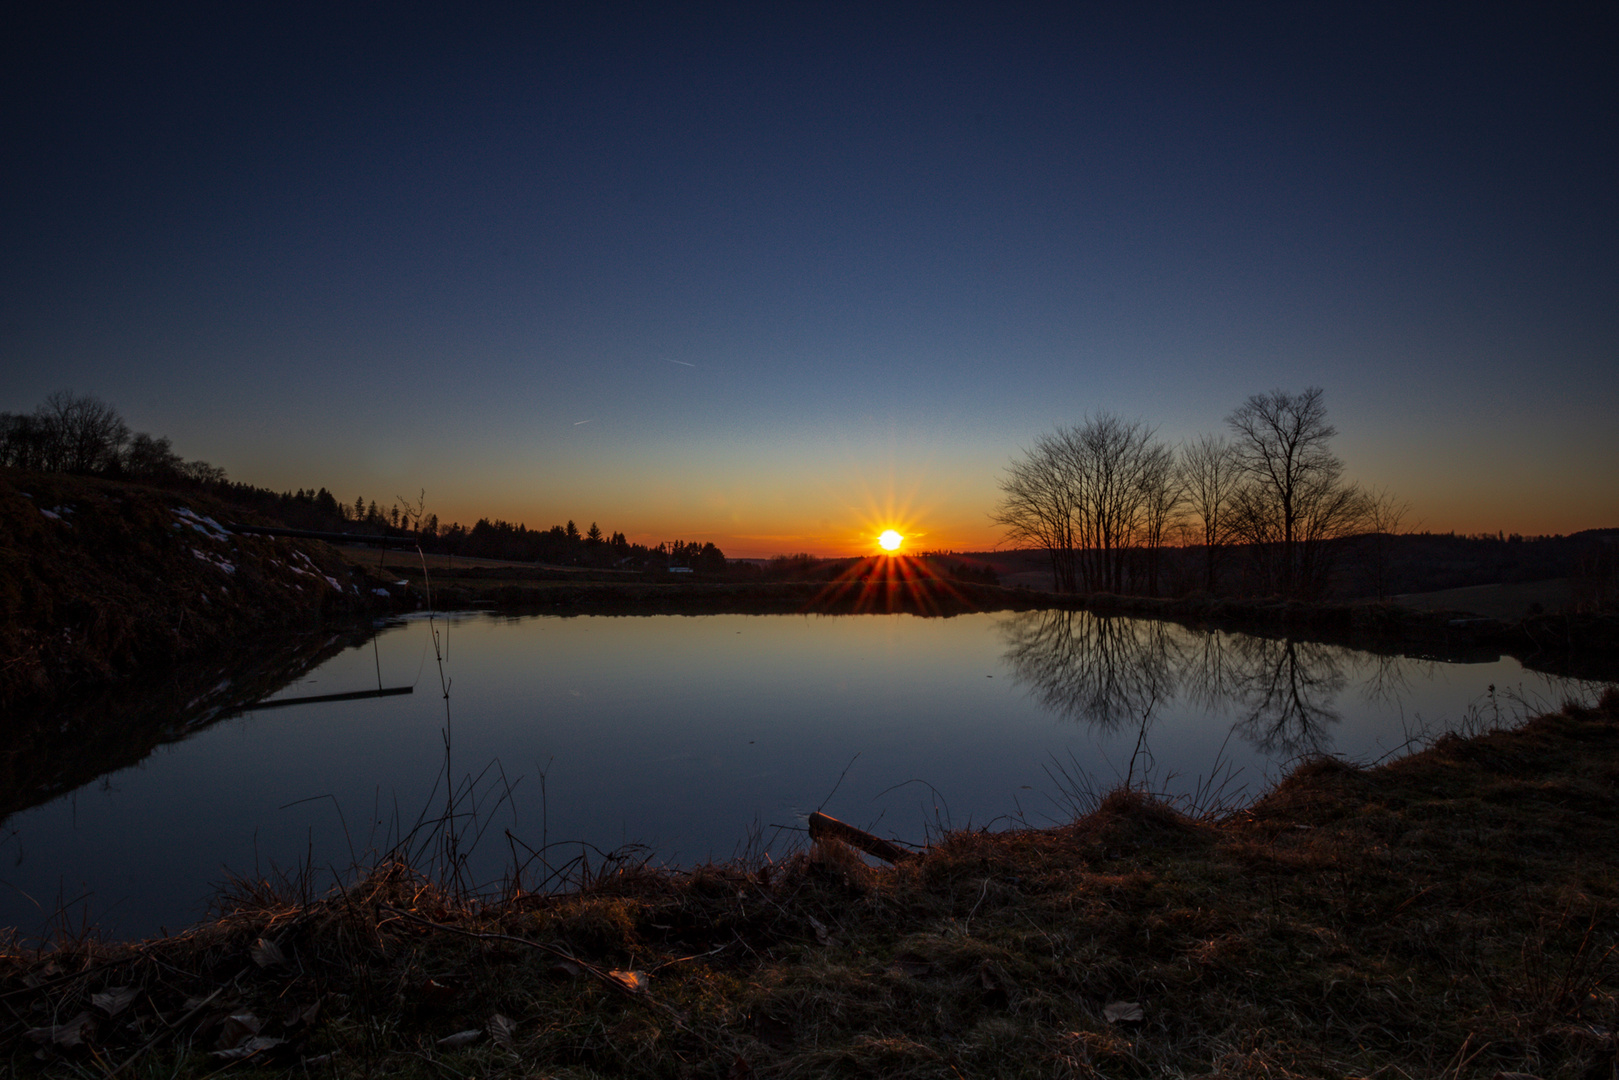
[101,581]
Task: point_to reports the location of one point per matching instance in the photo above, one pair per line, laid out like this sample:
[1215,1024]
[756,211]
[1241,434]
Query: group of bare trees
[1095,497]
[1105,497]
[80,433]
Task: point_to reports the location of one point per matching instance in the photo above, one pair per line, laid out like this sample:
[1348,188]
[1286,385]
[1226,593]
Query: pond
[702,737]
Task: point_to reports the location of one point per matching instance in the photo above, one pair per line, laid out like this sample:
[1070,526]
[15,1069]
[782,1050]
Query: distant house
[680,569]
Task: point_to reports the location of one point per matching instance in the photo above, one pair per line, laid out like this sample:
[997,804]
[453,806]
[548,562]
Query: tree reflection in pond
[1285,690]
[1105,671]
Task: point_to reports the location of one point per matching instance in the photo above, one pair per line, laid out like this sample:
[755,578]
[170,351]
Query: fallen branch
[824,825]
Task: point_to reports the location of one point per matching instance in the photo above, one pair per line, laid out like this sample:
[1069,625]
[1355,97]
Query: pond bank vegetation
[104,581]
[1452,913]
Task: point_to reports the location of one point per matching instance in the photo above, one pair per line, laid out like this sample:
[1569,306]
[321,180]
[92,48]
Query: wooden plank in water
[352,695]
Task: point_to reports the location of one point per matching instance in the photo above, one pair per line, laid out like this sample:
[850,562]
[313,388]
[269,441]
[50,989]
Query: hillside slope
[101,580]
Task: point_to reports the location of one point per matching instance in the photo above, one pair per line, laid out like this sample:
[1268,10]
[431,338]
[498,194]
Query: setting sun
[890,540]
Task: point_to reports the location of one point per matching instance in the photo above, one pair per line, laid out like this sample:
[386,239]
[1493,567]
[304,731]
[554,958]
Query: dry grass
[1452,914]
[102,581]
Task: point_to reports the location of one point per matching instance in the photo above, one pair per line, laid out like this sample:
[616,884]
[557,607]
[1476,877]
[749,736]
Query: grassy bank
[1453,914]
[103,581]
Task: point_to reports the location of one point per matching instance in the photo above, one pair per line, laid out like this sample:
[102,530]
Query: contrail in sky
[683,363]
[576,423]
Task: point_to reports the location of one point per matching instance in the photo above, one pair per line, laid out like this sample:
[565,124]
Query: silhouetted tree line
[79,433]
[566,545]
[982,574]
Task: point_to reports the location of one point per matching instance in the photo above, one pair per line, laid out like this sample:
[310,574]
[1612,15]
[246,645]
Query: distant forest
[79,433]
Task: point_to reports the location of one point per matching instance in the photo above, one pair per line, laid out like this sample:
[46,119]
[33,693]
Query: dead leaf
[72,1033]
[258,1044]
[633,981]
[437,993]
[568,968]
[266,953]
[1122,1012]
[114,1000]
[502,1029]
[304,1016]
[460,1038]
[237,1028]
[822,934]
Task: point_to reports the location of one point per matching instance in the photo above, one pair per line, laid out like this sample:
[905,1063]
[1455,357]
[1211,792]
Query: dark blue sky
[775,275]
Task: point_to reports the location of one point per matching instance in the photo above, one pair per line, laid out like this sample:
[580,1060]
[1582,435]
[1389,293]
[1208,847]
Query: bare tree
[26,441]
[202,474]
[1293,497]
[1383,515]
[1109,458]
[1091,496]
[148,458]
[1210,474]
[1037,509]
[412,514]
[1163,499]
[88,434]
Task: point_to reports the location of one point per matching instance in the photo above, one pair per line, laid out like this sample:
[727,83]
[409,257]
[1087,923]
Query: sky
[782,276]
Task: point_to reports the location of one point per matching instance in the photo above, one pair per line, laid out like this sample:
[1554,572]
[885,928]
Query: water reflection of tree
[1111,671]
[1285,690]
[1104,671]
[1210,670]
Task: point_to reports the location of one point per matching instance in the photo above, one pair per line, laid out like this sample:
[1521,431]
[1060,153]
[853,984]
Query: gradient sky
[782,275]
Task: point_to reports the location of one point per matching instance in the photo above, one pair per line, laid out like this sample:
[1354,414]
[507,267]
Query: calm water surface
[688,734]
